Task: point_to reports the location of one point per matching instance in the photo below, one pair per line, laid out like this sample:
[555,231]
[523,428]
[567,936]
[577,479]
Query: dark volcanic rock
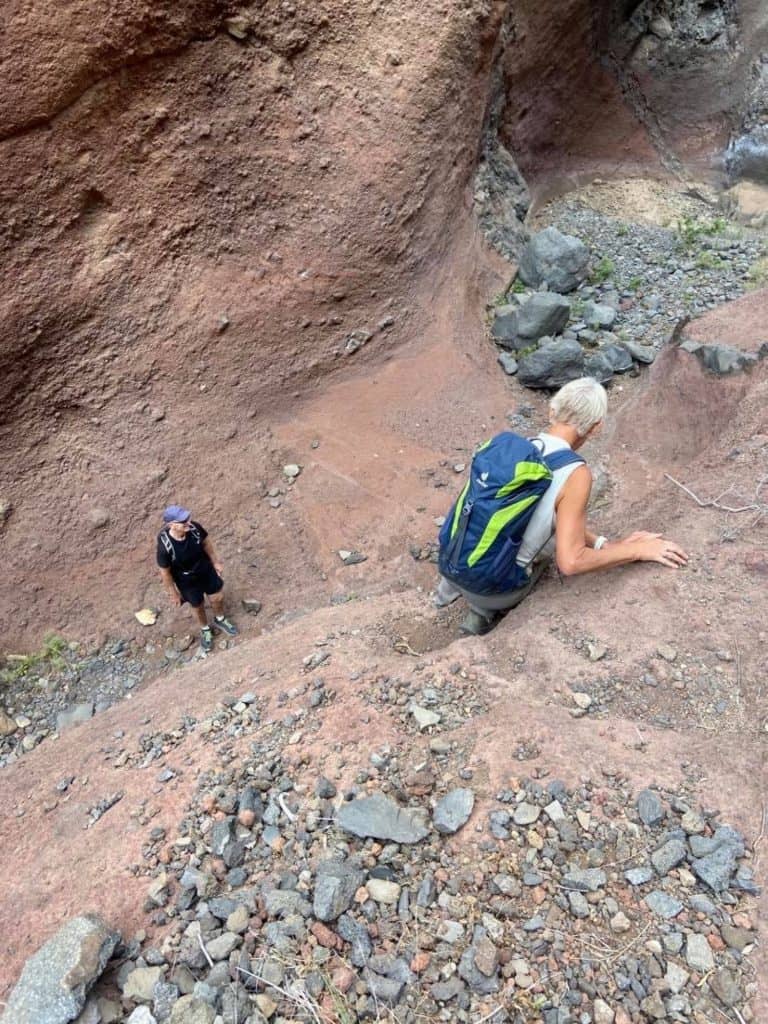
[545,313]
[552,365]
[561,261]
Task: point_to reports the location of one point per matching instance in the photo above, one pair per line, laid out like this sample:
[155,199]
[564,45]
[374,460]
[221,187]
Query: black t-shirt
[188,554]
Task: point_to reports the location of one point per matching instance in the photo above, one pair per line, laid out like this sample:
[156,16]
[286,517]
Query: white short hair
[581,404]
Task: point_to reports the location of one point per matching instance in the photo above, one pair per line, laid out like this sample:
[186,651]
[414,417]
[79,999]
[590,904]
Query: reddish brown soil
[160,176]
[380,433]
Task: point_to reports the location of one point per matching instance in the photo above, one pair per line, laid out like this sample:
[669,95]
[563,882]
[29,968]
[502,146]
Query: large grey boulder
[545,313]
[557,260]
[504,328]
[598,365]
[55,981]
[552,365]
[619,358]
[335,886]
[380,818]
[642,353]
[723,359]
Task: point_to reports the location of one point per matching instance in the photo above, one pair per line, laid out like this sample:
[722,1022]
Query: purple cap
[176,514]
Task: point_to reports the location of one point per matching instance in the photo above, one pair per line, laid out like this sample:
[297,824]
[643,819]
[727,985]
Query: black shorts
[194,587]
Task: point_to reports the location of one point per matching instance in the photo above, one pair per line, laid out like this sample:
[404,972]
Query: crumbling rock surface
[209,210]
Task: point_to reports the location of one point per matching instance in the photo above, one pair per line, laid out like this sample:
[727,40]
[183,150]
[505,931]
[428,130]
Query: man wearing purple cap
[191,570]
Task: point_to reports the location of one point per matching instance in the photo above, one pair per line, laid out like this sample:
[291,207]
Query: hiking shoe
[206,639]
[476,624]
[225,625]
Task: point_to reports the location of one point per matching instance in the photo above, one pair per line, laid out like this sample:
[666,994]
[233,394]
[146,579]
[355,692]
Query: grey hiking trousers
[484,604]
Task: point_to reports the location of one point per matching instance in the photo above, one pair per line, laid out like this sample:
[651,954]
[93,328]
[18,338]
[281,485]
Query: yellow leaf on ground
[147,616]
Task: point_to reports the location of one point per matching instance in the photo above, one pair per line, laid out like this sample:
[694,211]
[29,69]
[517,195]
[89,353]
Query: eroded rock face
[202,203]
[670,78]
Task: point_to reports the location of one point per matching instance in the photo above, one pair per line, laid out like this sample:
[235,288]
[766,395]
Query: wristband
[600,542]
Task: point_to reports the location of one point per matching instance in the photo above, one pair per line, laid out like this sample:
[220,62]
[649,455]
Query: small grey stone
[669,856]
[444,991]
[285,903]
[222,833]
[191,1009]
[508,364]
[335,887]
[698,954]
[619,358]
[598,365]
[450,931]
[504,328]
[384,990]
[577,902]
[725,985]
[357,936]
[141,1015]
[584,879]
[476,980]
[597,315]
[638,876]
[737,938]
[140,984]
[663,905]
[453,811]
[423,717]
[220,947]
[379,817]
[526,814]
[715,870]
[650,808]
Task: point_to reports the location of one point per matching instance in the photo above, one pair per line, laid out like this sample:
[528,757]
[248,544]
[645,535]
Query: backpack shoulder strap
[165,540]
[561,459]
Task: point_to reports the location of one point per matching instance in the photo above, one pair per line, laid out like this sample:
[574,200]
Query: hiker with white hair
[525,501]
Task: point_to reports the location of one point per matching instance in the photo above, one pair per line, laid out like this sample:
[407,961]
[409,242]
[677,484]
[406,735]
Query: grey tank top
[538,539]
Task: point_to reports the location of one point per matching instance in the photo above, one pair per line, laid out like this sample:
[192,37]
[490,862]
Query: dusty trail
[369,486]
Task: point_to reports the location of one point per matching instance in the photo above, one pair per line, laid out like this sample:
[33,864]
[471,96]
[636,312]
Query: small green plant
[622,230]
[604,269]
[51,655]
[707,260]
[757,275]
[635,284]
[691,229]
[518,288]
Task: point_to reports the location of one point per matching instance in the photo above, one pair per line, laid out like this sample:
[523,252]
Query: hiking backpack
[481,536]
[167,543]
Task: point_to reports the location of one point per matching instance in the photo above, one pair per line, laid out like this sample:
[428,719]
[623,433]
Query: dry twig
[205,951]
[755,506]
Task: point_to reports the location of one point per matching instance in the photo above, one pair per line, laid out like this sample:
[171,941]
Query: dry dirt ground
[194,225]
[387,434]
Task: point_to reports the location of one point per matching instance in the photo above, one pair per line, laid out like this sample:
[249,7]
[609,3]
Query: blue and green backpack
[481,536]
